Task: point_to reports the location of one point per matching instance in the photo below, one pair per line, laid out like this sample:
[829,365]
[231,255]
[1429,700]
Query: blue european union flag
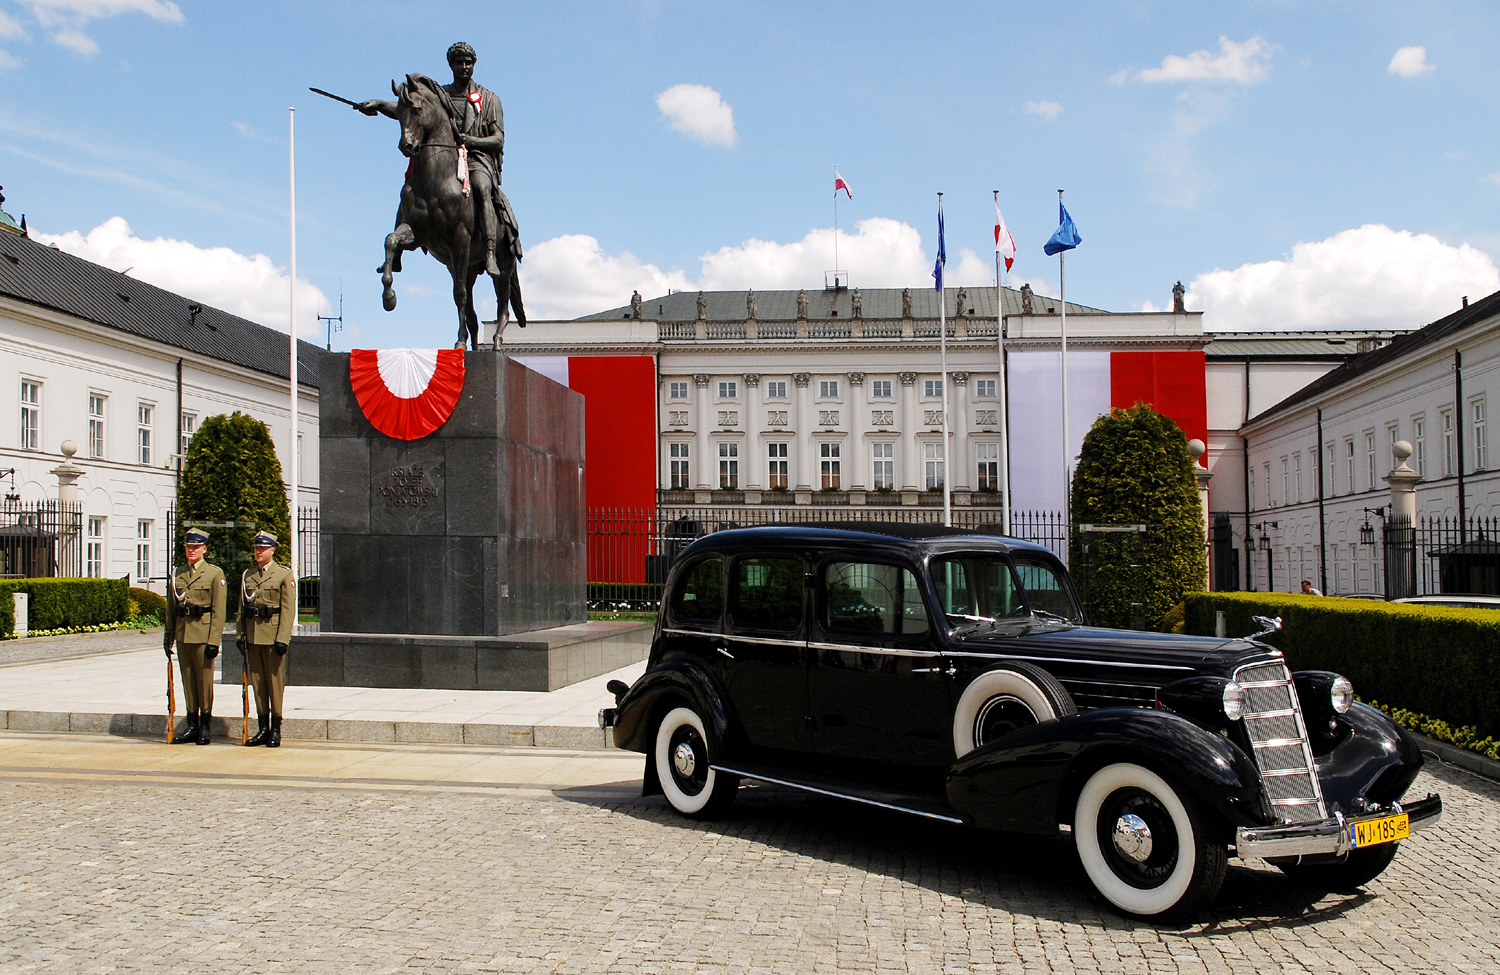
[1065,238]
[942,254]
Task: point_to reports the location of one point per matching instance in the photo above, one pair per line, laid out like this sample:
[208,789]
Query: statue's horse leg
[398,240]
[471,317]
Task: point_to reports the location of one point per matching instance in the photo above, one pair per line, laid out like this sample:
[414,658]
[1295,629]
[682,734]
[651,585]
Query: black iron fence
[1442,555]
[42,539]
[630,550]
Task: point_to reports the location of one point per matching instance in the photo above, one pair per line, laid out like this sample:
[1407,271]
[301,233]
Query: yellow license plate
[1373,832]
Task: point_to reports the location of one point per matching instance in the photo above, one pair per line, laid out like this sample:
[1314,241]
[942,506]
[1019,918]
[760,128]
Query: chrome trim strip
[1284,713]
[730,770]
[1285,771]
[1276,743]
[1293,802]
[887,651]
[1065,660]
[1265,683]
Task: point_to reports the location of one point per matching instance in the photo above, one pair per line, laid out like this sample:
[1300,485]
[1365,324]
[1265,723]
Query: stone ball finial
[1196,449]
[1402,449]
[69,448]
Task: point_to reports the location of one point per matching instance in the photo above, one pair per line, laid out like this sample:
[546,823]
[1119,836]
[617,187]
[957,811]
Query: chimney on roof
[1466,301]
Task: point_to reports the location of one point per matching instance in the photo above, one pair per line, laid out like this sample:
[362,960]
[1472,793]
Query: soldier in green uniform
[268,610]
[195,622]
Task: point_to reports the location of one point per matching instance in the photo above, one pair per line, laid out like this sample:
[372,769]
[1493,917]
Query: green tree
[1135,469]
[231,473]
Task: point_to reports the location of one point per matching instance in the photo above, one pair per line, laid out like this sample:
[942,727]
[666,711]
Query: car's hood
[1204,654]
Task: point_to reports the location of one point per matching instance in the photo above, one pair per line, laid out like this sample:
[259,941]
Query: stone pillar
[68,473]
[702,442]
[752,463]
[1403,481]
[911,456]
[854,464]
[806,474]
[1197,449]
[961,469]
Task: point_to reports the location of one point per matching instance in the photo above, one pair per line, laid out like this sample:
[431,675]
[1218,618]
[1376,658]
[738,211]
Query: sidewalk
[122,690]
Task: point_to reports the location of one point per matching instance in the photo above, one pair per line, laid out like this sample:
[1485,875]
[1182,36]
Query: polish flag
[839,184]
[1004,245]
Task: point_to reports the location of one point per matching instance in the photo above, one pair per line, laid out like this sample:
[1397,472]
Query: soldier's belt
[266,612]
[194,612]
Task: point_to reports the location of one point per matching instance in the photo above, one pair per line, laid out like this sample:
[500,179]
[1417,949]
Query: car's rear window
[767,594]
[699,595]
[867,597]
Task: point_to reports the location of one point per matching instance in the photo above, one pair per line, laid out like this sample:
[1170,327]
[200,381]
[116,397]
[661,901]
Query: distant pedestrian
[195,622]
[268,611]
[1308,590]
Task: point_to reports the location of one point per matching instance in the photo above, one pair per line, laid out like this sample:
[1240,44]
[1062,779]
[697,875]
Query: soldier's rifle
[242,644]
[171,700]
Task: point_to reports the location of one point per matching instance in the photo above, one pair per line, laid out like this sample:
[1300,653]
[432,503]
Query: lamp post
[1367,531]
[1265,546]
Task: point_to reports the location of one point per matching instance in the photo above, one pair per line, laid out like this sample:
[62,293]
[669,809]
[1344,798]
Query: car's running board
[910,805]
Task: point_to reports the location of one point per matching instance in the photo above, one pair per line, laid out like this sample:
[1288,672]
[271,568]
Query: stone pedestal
[476,530]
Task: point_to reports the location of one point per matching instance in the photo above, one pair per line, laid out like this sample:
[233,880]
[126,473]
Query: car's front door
[765,670]
[877,683]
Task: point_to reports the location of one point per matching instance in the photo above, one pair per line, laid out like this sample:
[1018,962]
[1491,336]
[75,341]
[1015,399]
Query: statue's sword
[337,98]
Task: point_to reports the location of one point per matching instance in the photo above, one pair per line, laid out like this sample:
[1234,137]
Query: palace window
[776,390]
[932,387]
[881,389]
[988,457]
[828,388]
[1286,482]
[984,387]
[1481,446]
[932,464]
[729,390]
[1445,421]
[97,404]
[143,550]
[677,455]
[828,465]
[94,550]
[677,390]
[1370,459]
[31,414]
[1349,464]
[1419,443]
[144,415]
[884,458]
[190,425]
[776,470]
[729,465]
[1297,475]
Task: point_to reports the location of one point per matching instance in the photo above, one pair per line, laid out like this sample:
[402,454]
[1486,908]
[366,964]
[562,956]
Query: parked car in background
[953,676]
[1460,600]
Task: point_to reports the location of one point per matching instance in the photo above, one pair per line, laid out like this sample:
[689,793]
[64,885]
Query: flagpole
[1067,450]
[943,355]
[835,232]
[1004,417]
[292,372]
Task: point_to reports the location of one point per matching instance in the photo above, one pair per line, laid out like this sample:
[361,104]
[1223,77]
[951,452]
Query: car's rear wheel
[1343,876]
[1144,845]
[1004,700]
[690,784]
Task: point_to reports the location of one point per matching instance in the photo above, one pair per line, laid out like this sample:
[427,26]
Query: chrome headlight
[1234,701]
[1341,695]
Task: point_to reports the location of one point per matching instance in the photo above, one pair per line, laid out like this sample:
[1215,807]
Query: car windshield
[988,588]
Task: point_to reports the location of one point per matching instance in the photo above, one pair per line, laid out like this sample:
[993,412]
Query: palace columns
[855,461]
[705,464]
[911,452]
[806,474]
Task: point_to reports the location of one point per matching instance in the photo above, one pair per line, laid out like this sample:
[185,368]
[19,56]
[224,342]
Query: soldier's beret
[263,539]
[195,536]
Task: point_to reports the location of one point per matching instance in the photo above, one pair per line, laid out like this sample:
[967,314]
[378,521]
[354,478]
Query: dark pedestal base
[541,660]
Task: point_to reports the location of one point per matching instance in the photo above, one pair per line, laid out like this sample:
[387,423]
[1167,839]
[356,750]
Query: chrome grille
[1273,720]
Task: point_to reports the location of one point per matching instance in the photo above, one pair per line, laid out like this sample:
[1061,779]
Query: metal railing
[42,539]
[1441,555]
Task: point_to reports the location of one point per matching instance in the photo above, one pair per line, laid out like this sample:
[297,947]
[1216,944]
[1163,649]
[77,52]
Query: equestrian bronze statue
[451,204]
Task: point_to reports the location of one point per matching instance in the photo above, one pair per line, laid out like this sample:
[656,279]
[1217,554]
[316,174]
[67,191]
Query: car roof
[921,539]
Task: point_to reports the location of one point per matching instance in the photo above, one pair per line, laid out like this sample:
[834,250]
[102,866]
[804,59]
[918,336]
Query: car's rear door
[877,685]
[765,640]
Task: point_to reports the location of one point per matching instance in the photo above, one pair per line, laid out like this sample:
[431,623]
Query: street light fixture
[1265,546]
[1367,531]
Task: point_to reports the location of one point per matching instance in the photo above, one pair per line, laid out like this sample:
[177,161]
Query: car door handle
[950,671]
[725,652]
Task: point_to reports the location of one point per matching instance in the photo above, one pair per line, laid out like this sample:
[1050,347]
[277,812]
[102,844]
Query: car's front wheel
[1144,845]
[1006,699]
[690,784]
[1342,876]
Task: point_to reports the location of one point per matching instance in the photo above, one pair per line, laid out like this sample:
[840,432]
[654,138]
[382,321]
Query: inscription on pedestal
[407,487]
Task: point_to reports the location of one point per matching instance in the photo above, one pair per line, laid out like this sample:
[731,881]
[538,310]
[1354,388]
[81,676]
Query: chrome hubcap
[684,759]
[1133,837]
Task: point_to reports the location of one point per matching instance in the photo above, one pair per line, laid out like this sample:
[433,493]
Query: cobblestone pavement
[120,855]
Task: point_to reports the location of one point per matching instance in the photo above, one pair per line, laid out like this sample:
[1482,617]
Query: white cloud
[251,287]
[571,275]
[10,28]
[1243,62]
[1369,277]
[1047,110]
[8,60]
[1410,62]
[67,18]
[1493,179]
[698,111]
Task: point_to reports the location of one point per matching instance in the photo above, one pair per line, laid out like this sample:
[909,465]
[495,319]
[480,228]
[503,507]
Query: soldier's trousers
[197,677]
[268,676]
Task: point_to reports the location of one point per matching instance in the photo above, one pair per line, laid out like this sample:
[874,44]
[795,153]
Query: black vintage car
[953,675]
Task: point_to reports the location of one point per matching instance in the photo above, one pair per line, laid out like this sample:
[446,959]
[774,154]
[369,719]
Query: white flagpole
[835,232]
[1062,288]
[292,444]
[1001,389]
[943,354]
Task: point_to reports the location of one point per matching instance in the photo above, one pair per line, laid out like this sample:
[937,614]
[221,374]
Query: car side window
[977,586]
[699,596]
[767,594]
[866,597]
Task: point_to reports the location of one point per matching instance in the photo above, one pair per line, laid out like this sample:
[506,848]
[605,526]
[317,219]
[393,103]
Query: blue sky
[1191,139]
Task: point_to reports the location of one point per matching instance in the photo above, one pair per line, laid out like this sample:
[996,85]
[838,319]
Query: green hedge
[150,603]
[7,615]
[1437,660]
[59,603]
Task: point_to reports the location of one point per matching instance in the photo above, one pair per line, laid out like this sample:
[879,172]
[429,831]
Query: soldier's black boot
[189,731]
[204,720]
[275,741]
[263,735]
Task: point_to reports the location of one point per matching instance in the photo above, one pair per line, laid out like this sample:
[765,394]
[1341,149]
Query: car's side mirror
[1268,626]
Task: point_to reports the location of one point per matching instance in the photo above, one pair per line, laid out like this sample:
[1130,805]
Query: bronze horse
[438,216]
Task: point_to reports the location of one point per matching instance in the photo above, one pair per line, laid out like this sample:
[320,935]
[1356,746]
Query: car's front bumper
[1328,836]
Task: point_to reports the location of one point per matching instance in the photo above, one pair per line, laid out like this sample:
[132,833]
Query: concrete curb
[321,729]
[1462,757]
[30,641]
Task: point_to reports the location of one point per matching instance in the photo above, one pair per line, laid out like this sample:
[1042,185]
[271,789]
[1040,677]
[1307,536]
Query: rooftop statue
[1178,291]
[1028,306]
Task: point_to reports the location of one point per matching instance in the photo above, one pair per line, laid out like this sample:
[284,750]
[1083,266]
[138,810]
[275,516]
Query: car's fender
[681,679]
[1376,763]
[1028,781]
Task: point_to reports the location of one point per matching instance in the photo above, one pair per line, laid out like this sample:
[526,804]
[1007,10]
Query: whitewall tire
[1007,699]
[682,760]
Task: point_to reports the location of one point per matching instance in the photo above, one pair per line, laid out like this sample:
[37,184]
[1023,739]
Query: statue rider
[480,124]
